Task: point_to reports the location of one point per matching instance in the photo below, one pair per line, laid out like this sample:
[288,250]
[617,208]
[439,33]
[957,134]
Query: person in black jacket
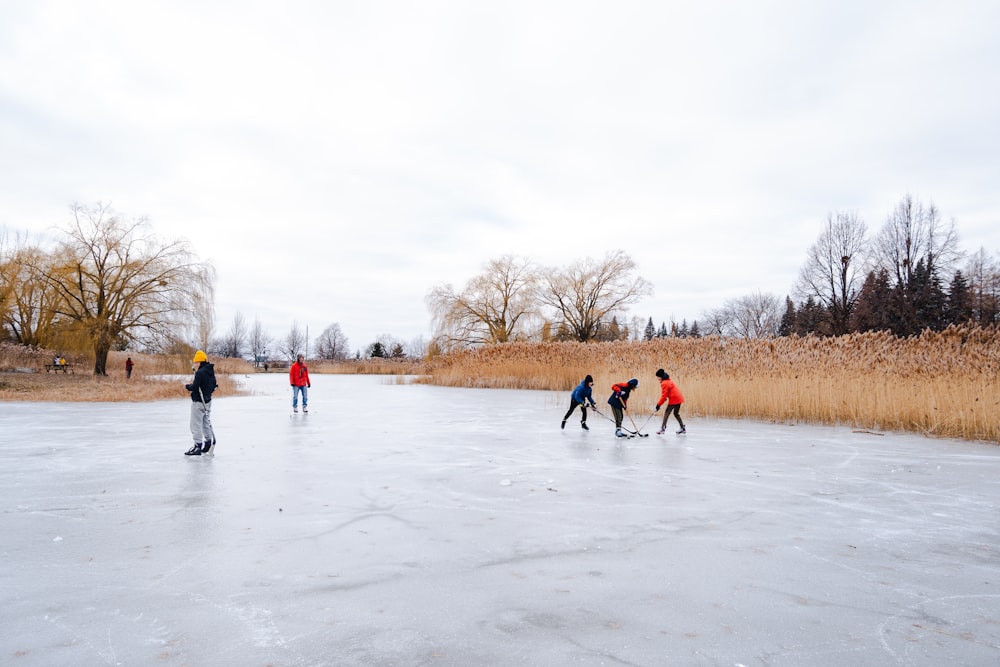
[201,389]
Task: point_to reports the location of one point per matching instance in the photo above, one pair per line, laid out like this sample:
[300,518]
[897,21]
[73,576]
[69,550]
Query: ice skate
[660,432]
[563,425]
[194,451]
[584,426]
[682,431]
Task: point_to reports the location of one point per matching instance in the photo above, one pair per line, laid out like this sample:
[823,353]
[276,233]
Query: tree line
[243,340]
[907,277]
[110,283]
[513,299]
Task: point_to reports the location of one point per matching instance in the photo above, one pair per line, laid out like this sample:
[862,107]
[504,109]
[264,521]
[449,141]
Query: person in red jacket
[672,396]
[619,402]
[299,377]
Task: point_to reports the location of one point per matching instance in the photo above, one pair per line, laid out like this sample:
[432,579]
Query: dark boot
[208,447]
[194,451]
[563,425]
[584,426]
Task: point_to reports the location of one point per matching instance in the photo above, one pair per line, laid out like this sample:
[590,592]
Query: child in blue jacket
[581,395]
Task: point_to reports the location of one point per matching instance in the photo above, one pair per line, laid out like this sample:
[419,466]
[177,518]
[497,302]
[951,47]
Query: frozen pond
[417,525]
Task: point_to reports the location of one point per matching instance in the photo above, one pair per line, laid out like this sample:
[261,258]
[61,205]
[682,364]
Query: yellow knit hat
[200,356]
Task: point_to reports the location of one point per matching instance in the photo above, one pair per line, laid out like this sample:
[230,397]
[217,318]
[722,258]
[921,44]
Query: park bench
[58,367]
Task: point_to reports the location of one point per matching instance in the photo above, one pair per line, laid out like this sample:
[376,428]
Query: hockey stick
[641,435]
[631,433]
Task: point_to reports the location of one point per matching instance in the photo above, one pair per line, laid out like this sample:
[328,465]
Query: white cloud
[336,161]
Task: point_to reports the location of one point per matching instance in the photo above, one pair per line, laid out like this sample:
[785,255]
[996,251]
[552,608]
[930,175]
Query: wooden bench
[58,367]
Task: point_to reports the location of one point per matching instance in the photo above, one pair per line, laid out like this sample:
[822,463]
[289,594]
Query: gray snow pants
[201,422]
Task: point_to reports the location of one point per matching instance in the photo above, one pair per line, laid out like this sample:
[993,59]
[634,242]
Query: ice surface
[417,525]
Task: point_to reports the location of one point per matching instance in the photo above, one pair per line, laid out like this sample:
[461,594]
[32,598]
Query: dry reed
[942,384]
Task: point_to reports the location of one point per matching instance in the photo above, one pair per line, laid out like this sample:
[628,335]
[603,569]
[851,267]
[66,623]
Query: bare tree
[258,341]
[983,273]
[235,339]
[417,348]
[914,244]
[332,344]
[756,315]
[203,305]
[494,307]
[717,321]
[588,292]
[835,269]
[294,343]
[115,279]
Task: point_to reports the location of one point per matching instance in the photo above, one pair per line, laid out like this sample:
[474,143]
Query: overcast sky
[336,160]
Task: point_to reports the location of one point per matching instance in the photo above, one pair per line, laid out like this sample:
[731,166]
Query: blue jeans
[295,396]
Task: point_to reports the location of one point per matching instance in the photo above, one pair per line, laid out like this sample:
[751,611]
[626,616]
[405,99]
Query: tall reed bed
[943,384]
[372,366]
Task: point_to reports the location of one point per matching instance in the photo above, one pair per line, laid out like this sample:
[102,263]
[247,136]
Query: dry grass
[942,384]
[23,377]
[369,367]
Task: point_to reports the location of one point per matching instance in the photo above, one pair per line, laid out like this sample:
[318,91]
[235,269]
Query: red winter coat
[669,393]
[299,375]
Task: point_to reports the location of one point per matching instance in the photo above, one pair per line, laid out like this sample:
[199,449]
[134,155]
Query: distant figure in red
[299,377]
[128,368]
[672,396]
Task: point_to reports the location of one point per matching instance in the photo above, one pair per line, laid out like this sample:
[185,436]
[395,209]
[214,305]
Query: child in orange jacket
[672,396]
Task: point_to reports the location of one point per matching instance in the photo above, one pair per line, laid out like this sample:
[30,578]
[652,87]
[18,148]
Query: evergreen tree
[810,319]
[874,311]
[694,333]
[684,332]
[650,330]
[787,325]
[958,309]
[662,333]
[929,299]
[613,331]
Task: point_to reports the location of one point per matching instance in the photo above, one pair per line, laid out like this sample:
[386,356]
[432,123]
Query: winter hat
[633,383]
[661,373]
[588,380]
[199,356]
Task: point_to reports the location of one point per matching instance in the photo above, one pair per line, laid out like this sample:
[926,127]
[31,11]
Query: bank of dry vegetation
[942,384]
[23,377]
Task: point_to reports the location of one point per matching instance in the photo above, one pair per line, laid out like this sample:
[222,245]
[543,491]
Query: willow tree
[27,299]
[494,306]
[115,279]
[588,292]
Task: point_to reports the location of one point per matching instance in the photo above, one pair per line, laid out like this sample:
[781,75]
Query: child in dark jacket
[580,396]
[619,402]
[201,389]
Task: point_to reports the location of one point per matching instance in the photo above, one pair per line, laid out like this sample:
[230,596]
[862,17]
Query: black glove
[657,409]
[188,387]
